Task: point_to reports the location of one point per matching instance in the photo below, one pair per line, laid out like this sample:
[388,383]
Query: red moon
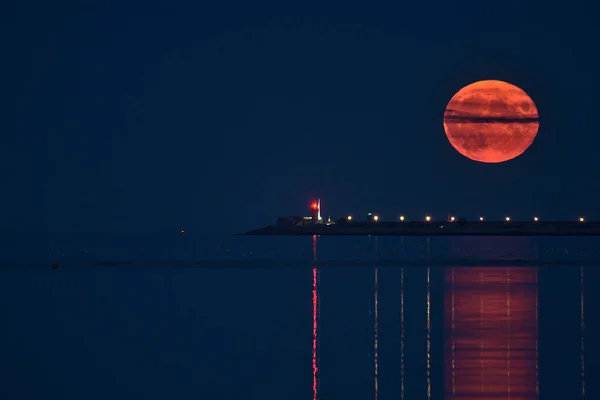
[491,121]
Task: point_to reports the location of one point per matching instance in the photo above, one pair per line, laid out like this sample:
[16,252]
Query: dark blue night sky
[147,116]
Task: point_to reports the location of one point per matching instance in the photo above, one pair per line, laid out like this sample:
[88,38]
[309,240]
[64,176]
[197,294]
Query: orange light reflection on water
[401,333]
[314,332]
[376,333]
[315,328]
[491,348]
[582,297]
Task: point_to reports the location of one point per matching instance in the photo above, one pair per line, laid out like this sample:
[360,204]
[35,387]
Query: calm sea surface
[223,317]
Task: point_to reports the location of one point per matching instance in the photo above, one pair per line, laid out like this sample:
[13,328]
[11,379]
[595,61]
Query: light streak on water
[314,332]
[376,323]
[315,318]
[429,333]
[453,327]
[491,353]
[508,336]
[376,333]
[582,335]
[537,347]
[481,338]
[402,333]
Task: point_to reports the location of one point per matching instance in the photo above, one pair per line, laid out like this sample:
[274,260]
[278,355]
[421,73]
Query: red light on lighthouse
[314,206]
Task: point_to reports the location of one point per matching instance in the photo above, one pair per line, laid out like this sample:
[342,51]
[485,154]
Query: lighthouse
[315,211]
[319,208]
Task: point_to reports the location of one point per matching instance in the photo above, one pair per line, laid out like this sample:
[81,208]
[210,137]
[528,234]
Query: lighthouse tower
[315,211]
[319,214]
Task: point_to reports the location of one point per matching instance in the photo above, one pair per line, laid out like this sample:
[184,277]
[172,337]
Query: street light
[452,219]
[536,219]
[376,218]
[349,217]
[481,218]
[402,218]
[428,218]
[580,219]
[507,219]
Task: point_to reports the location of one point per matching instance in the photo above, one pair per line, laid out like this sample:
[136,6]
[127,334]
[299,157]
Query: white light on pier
[507,219]
[536,219]
[580,219]
[402,218]
[452,219]
[375,218]
[481,218]
[349,217]
[428,218]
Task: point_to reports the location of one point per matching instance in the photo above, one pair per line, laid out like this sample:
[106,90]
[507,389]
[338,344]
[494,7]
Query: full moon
[491,121]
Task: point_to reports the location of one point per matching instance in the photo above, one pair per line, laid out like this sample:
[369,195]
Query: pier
[438,228]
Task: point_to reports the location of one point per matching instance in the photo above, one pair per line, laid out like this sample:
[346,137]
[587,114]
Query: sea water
[235,317]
